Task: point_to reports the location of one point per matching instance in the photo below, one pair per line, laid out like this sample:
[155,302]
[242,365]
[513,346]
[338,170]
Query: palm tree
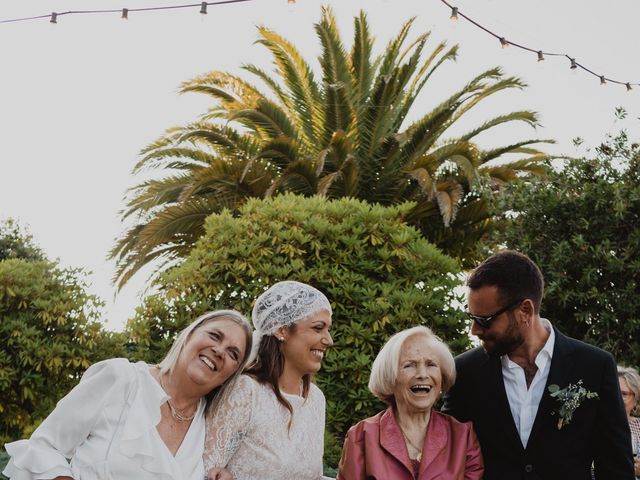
[345,135]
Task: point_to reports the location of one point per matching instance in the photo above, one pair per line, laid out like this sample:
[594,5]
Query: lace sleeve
[228,425]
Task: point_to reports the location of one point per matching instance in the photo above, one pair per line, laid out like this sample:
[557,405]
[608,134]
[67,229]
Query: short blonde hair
[169,362]
[384,372]
[632,378]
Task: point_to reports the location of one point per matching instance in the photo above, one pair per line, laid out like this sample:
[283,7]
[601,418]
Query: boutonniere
[569,398]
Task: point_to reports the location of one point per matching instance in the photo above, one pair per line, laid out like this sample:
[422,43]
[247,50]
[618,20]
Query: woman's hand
[636,465]
[219,474]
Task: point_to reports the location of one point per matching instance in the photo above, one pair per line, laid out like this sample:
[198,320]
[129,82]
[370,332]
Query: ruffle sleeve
[139,440]
[228,425]
[46,453]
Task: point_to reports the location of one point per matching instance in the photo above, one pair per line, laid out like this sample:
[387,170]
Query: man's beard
[507,343]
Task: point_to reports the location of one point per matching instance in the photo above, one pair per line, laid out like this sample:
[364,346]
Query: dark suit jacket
[598,433]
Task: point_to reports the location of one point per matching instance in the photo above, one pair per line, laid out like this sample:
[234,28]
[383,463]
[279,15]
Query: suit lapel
[392,440]
[558,374]
[498,398]
[435,441]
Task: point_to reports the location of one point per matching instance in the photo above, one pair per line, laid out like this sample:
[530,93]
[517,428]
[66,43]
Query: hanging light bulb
[203,8]
[54,17]
[628,85]
[504,42]
[291,1]
[602,80]
[454,13]
[540,56]
[573,63]
[125,14]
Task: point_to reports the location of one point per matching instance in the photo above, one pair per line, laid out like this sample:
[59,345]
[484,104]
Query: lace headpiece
[283,304]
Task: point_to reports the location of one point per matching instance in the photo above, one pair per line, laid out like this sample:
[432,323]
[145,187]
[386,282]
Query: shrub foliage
[49,334]
[582,227]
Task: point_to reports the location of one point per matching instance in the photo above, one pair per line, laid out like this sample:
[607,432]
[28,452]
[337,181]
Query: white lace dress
[248,434]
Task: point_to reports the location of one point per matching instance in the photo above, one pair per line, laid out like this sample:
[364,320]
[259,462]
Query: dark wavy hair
[515,275]
[269,366]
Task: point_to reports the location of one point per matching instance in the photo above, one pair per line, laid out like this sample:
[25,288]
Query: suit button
[528,468]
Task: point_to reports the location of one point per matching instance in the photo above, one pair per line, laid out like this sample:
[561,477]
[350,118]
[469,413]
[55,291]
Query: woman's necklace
[410,443]
[175,413]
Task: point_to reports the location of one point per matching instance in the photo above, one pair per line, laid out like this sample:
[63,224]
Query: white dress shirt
[522,400]
[106,426]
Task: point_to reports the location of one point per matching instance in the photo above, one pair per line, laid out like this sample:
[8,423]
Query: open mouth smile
[209,363]
[421,389]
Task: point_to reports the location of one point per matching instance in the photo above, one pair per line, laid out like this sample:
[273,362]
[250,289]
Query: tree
[348,134]
[49,333]
[378,272]
[15,242]
[582,227]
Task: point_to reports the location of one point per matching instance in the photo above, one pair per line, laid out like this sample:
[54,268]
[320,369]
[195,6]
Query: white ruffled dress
[105,429]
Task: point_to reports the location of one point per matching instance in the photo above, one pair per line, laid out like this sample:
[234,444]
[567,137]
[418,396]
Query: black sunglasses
[485,321]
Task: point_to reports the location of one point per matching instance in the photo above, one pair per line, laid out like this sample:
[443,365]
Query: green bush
[16,242]
[380,275]
[49,333]
[4,459]
[582,227]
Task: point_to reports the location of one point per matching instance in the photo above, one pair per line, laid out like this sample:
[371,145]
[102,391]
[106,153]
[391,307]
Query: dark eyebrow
[323,323]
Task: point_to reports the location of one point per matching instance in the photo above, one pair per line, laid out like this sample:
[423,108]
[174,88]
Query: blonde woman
[132,420]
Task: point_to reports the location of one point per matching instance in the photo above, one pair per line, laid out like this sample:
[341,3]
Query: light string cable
[53,16]
[573,64]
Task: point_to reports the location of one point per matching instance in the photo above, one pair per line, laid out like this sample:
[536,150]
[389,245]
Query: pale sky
[79,99]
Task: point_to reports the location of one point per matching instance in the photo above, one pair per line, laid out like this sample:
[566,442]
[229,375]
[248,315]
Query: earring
[280,339]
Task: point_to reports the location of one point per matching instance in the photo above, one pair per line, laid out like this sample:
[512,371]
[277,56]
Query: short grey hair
[384,372]
[632,378]
[169,362]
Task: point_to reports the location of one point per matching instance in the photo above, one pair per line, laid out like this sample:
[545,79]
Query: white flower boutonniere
[569,398]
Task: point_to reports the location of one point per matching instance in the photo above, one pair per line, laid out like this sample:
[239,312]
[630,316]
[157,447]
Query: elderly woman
[630,390]
[125,420]
[410,440]
[271,424]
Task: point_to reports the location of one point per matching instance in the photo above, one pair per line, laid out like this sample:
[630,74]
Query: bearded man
[544,406]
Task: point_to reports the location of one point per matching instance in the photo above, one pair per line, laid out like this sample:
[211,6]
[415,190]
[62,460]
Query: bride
[270,425]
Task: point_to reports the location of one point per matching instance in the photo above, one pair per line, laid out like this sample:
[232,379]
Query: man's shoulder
[583,349]
[475,357]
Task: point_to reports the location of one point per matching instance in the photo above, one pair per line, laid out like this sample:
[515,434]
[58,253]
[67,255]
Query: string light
[456,13]
[54,15]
